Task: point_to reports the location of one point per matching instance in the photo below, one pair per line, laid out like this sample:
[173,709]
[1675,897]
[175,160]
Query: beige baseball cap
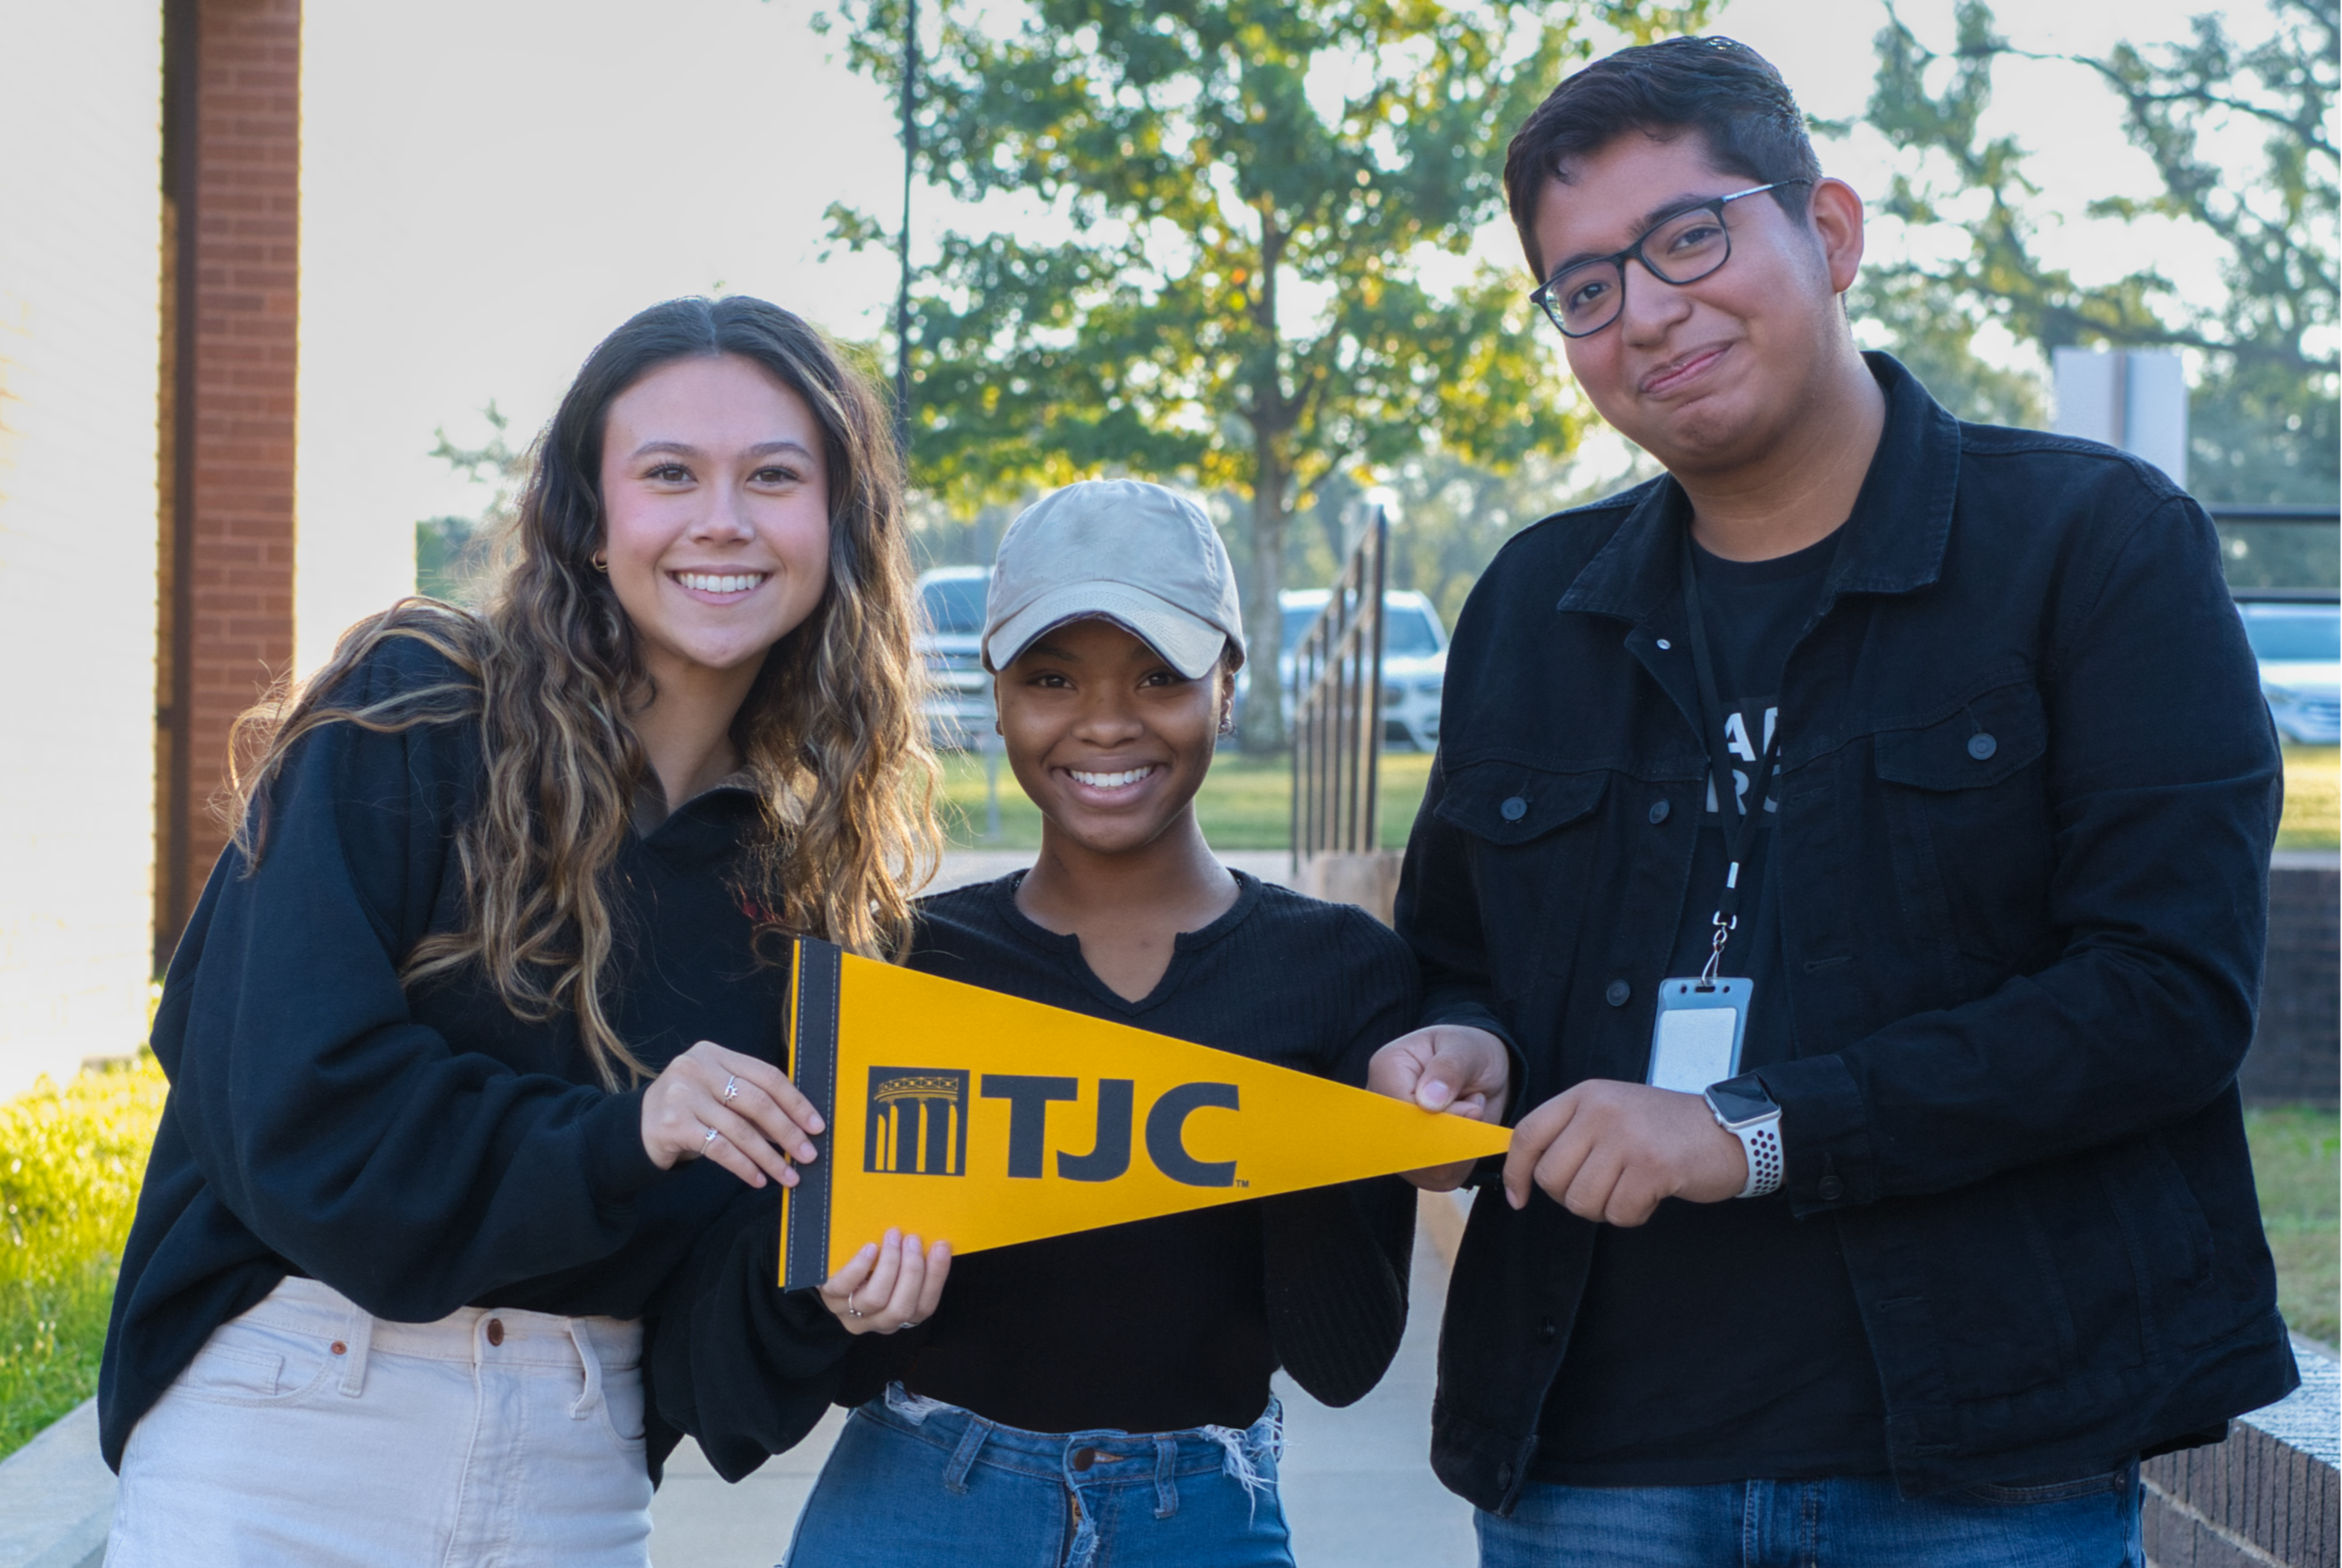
[1136,554]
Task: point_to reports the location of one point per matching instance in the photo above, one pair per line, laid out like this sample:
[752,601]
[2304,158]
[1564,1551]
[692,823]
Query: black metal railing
[2280,551]
[1337,719]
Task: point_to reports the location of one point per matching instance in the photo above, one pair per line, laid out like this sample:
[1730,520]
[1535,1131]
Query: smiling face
[1108,740]
[1706,376]
[715,504]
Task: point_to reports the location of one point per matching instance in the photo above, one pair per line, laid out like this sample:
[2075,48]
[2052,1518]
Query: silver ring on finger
[709,1142]
[731,1089]
[851,1310]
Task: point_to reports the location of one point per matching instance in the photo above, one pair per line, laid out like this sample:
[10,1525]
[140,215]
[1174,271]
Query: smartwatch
[1742,1107]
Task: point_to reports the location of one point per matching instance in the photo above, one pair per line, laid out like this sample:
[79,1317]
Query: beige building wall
[80,286]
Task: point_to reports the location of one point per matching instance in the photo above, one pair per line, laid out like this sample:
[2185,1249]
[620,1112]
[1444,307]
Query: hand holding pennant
[985,1119]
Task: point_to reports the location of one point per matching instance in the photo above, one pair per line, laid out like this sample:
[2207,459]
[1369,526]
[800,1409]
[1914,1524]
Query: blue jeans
[1844,1521]
[914,1479]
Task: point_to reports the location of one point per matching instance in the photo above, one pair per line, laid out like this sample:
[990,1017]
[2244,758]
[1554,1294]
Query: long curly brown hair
[831,730]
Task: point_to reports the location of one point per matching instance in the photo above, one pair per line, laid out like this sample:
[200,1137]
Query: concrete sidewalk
[1358,1488]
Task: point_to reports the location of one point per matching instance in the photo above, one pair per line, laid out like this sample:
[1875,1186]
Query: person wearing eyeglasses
[1845,867]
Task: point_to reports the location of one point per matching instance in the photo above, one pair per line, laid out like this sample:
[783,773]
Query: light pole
[903,236]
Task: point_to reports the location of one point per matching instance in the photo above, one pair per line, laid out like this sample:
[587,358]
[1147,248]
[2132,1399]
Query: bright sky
[489,189]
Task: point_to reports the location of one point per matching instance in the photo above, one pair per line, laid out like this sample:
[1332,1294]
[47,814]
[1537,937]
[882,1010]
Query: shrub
[70,1160]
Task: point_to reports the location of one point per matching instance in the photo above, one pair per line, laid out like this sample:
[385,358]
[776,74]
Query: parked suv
[1415,659]
[2298,641]
[950,642]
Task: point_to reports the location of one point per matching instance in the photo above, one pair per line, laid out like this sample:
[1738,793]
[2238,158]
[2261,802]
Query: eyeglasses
[1694,243]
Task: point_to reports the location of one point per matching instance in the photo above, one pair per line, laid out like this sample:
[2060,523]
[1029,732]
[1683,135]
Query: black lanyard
[1742,840]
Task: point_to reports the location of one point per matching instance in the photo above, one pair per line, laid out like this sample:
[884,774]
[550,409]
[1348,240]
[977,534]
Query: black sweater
[748,1370]
[418,1151]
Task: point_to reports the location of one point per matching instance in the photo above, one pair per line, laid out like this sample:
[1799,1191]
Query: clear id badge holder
[1696,1040]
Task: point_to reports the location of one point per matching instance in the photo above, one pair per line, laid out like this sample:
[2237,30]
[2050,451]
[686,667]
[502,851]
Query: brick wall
[239,219]
[79,290]
[2297,1055]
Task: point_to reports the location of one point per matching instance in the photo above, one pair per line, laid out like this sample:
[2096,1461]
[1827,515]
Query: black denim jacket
[2028,797]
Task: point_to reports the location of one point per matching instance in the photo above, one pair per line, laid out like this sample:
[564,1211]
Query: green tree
[1255,193]
[450,552]
[2263,413]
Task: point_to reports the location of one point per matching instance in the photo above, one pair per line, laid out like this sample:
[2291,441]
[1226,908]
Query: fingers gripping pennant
[985,1119]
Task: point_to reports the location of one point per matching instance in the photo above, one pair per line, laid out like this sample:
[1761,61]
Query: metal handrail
[1337,721]
[2272,512]
[2286,513]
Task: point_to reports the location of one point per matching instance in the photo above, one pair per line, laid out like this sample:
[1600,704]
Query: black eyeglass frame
[1542,295]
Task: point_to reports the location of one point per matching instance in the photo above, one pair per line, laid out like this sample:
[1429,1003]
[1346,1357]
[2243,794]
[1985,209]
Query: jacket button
[1514,809]
[1504,1476]
[495,1331]
[1548,1331]
[1617,994]
[1981,746]
[1829,1189]
[1658,812]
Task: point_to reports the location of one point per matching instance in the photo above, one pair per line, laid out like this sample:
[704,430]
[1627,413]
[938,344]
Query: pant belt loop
[356,1344]
[962,1459]
[1166,1476]
[592,1362]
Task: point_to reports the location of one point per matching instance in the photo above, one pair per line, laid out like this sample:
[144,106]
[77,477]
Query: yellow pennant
[985,1119]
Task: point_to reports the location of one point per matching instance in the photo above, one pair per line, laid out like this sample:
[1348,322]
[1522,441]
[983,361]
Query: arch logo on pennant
[985,1119]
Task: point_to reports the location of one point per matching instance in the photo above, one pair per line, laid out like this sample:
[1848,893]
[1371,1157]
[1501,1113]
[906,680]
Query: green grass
[1246,802]
[2297,1165]
[2313,793]
[70,1162]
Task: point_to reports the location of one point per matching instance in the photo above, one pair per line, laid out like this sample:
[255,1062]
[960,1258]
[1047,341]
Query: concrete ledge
[57,1497]
[2265,1498]
[1368,880]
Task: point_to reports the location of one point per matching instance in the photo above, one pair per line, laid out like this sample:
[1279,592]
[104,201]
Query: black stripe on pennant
[813,1064]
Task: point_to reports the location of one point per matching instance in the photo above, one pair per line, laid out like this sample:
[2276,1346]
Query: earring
[1227,721]
[602,563]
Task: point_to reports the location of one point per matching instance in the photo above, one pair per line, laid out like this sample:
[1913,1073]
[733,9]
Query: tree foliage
[450,552]
[2264,419]
[1247,295]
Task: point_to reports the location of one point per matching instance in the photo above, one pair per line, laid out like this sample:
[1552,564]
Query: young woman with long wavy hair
[474,1028]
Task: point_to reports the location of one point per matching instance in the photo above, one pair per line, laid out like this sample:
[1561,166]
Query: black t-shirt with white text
[1720,1342]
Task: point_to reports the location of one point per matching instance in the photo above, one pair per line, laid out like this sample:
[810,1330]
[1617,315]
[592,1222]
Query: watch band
[1758,1125]
[1761,1141]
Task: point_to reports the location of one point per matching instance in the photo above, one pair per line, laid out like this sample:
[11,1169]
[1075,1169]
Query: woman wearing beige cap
[1103,1396]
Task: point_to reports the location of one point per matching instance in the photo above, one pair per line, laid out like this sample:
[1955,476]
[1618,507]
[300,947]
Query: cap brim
[1189,644]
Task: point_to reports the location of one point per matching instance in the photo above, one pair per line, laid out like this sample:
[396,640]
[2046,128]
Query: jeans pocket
[2111,1482]
[245,1364]
[622,1415]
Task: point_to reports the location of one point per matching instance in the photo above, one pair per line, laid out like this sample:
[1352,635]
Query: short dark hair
[1719,88]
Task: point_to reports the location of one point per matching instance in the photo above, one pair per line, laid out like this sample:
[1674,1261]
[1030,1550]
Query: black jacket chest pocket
[1530,877]
[1506,805]
[1993,735]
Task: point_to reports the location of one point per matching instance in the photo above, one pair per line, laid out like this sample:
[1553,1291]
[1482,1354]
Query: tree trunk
[1263,714]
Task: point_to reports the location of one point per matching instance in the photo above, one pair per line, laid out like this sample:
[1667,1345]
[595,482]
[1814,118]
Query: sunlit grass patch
[70,1160]
[2313,798]
[2297,1167]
